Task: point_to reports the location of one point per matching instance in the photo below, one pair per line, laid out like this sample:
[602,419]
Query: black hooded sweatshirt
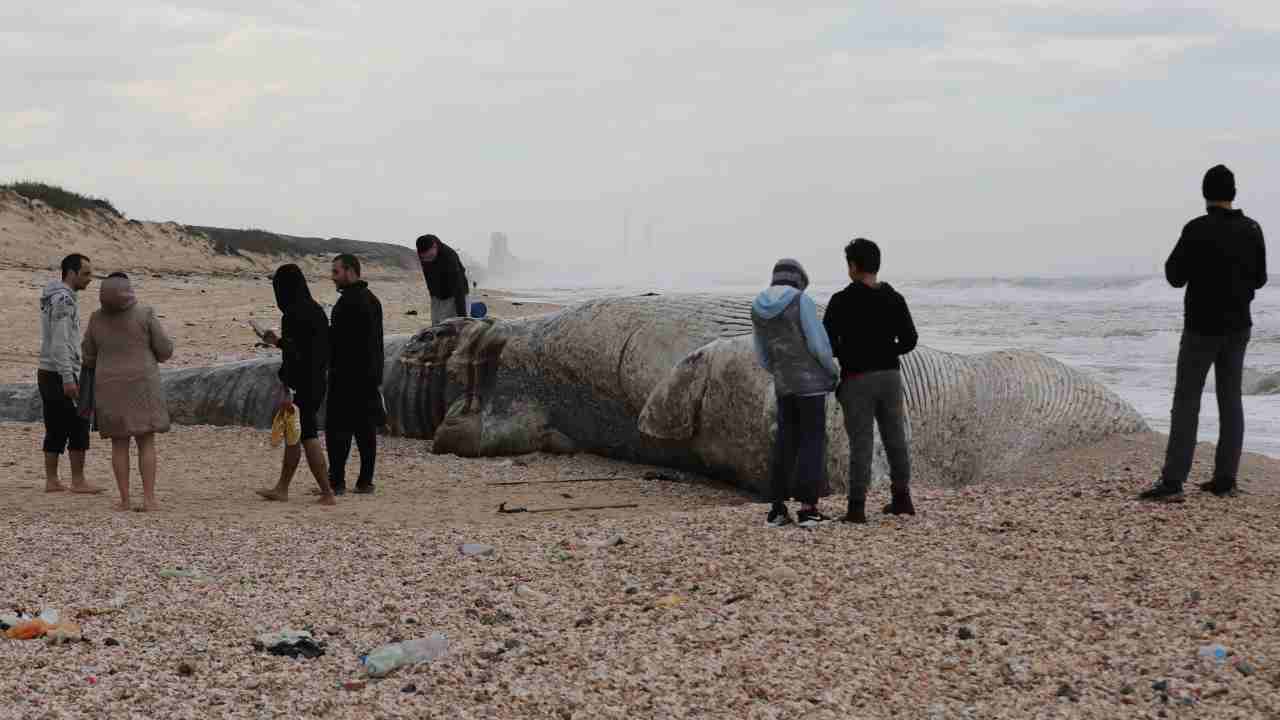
[1222,260]
[447,278]
[869,328]
[304,337]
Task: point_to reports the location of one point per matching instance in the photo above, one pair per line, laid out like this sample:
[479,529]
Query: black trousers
[799,464]
[338,447]
[64,429]
[1196,353]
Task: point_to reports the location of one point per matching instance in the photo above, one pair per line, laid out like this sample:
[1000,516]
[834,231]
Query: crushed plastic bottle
[1215,652]
[389,658]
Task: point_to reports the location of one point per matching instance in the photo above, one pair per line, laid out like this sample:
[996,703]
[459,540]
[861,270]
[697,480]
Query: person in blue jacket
[792,345]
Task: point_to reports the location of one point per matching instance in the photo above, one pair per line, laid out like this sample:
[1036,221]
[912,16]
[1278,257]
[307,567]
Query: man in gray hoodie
[793,346]
[59,374]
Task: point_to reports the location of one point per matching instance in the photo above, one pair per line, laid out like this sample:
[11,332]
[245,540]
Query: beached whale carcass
[667,380]
[673,381]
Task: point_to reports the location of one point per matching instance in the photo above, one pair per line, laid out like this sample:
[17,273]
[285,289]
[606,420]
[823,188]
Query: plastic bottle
[1215,652]
[388,658]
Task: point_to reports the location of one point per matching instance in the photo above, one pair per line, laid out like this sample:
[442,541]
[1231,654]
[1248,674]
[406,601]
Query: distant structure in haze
[501,262]
[626,234]
[642,245]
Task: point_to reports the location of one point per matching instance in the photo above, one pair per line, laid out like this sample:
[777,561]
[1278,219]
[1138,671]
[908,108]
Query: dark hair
[864,255]
[72,263]
[118,274]
[1219,184]
[349,261]
[425,242]
[290,286]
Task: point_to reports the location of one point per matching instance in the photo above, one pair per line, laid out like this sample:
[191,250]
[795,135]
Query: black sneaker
[339,489]
[1220,487]
[810,518]
[901,505]
[778,516]
[857,513]
[1163,494]
[364,489]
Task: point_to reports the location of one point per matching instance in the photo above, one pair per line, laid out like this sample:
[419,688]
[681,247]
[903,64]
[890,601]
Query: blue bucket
[479,310]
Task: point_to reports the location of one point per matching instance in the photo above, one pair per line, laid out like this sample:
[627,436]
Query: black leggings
[338,446]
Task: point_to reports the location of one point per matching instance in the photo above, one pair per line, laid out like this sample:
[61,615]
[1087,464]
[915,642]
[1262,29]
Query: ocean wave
[1144,290]
[1254,382]
[1128,333]
[1260,383]
[1046,283]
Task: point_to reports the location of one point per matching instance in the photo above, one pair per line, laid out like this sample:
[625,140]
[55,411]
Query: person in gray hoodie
[793,346]
[58,376]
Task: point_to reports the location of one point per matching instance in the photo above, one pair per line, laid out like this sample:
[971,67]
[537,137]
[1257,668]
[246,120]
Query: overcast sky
[982,137]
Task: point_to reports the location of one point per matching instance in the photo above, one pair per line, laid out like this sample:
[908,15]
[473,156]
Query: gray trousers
[875,397]
[443,309]
[1196,353]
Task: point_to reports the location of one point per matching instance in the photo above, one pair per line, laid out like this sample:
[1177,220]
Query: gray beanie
[789,271]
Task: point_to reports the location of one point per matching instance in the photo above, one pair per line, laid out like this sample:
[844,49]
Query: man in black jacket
[446,279]
[304,340]
[355,377]
[1222,261]
[870,327]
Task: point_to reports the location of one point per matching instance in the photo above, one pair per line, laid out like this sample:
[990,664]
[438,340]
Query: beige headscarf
[116,294]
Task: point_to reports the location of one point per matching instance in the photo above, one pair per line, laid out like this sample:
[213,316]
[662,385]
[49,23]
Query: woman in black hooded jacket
[304,342]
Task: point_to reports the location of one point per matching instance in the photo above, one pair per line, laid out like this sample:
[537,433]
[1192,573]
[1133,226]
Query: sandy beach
[1046,593]
[1052,594]
[748,240]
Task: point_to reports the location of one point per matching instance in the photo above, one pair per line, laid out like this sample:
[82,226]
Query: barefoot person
[125,344]
[355,377]
[870,327]
[58,376]
[1221,260]
[304,340]
[791,344]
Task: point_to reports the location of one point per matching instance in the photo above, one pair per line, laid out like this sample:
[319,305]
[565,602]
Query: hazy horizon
[970,139]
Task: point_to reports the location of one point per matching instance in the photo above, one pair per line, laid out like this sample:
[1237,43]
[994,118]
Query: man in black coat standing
[1222,261]
[355,377]
[446,279]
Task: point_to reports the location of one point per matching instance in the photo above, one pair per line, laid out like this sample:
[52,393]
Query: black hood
[290,286]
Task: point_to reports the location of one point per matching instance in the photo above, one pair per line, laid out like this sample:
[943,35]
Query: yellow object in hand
[286,426]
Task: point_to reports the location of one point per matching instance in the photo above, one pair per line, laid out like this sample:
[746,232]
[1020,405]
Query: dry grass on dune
[1048,595]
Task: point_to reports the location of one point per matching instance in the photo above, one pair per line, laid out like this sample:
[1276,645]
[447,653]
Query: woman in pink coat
[125,344]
